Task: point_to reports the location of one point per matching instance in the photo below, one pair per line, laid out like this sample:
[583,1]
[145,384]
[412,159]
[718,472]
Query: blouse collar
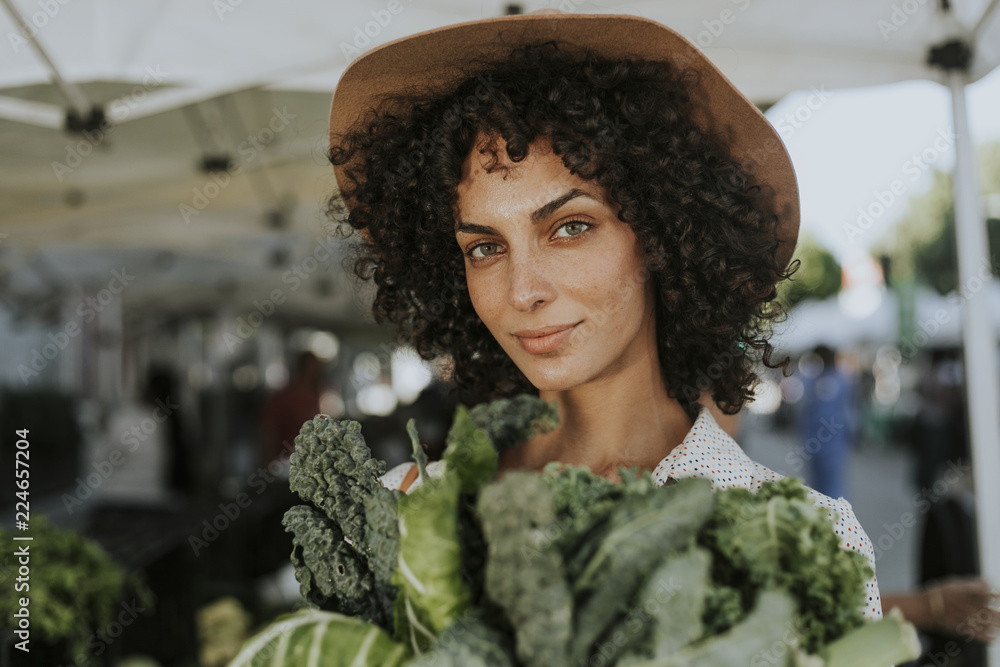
[707,451]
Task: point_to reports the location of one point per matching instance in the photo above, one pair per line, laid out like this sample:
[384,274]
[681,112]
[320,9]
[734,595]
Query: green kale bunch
[346,535]
[561,567]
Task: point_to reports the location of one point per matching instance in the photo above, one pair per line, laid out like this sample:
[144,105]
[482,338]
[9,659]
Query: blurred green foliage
[817,277]
[922,244]
[74,588]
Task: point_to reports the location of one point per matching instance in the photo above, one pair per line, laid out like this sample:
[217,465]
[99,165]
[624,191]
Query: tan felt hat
[434,60]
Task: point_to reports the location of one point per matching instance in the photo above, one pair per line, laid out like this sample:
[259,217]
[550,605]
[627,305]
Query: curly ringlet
[710,232]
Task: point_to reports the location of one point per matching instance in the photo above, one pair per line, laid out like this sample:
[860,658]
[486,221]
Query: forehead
[515,187]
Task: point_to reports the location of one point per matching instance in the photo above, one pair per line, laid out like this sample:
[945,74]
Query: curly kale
[333,468]
[510,421]
[524,569]
[584,503]
[345,539]
[329,570]
[566,567]
[777,538]
[382,518]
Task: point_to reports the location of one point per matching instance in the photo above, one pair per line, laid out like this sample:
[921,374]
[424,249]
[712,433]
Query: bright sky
[855,144]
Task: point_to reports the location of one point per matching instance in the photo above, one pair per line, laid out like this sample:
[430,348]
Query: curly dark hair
[710,233]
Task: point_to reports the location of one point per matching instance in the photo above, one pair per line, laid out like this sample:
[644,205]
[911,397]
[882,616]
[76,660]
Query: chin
[554,378]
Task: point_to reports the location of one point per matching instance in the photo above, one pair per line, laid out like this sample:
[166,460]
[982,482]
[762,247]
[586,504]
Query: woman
[581,206]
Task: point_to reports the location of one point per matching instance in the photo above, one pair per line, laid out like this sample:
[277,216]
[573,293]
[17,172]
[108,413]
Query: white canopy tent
[165,86]
[937,322]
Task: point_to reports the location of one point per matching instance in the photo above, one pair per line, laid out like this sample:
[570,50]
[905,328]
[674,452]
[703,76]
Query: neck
[623,419]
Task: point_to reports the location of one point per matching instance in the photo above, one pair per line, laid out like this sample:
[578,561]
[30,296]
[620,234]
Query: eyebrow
[537,216]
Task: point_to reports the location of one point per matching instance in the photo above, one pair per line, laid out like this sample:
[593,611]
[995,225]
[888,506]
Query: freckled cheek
[604,284]
[487,300]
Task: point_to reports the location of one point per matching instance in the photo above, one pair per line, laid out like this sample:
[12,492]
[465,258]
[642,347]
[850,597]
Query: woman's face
[558,280]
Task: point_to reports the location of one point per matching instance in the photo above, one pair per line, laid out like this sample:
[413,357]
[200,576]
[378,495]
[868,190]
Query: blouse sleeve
[393,479]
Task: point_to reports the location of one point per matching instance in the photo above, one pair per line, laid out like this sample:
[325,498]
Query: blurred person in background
[288,408]
[828,422]
[939,427]
[960,607]
[145,445]
[162,392]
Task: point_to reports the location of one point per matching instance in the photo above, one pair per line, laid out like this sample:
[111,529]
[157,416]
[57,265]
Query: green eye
[573,228]
[483,250]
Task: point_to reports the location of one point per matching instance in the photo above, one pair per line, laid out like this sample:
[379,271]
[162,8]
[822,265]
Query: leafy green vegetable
[468,642]
[761,632]
[382,534]
[778,538]
[470,455]
[673,597]
[888,641]
[642,531]
[561,567]
[312,637]
[75,587]
[330,569]
[524,572]
[429,567]
[510,421]
[345,540]
[333,468]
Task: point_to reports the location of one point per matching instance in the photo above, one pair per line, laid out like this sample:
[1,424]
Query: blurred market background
[171,292]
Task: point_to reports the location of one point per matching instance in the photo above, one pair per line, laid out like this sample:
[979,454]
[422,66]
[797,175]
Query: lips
[544,339]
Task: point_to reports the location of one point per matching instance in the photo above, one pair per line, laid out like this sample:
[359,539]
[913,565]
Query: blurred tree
[922,246]
[818,275]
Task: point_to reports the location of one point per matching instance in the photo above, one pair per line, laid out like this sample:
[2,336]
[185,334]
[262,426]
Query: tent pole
[984,19]
[73,94]
[979,341]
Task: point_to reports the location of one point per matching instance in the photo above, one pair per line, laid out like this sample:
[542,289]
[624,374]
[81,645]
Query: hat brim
[432,61]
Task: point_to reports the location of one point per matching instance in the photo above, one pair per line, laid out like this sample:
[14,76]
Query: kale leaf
[346,537]
[564,567]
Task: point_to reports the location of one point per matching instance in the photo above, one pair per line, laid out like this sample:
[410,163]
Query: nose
[528,284]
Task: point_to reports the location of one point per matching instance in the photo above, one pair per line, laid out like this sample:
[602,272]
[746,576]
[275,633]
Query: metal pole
[73,94]
[979,342]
